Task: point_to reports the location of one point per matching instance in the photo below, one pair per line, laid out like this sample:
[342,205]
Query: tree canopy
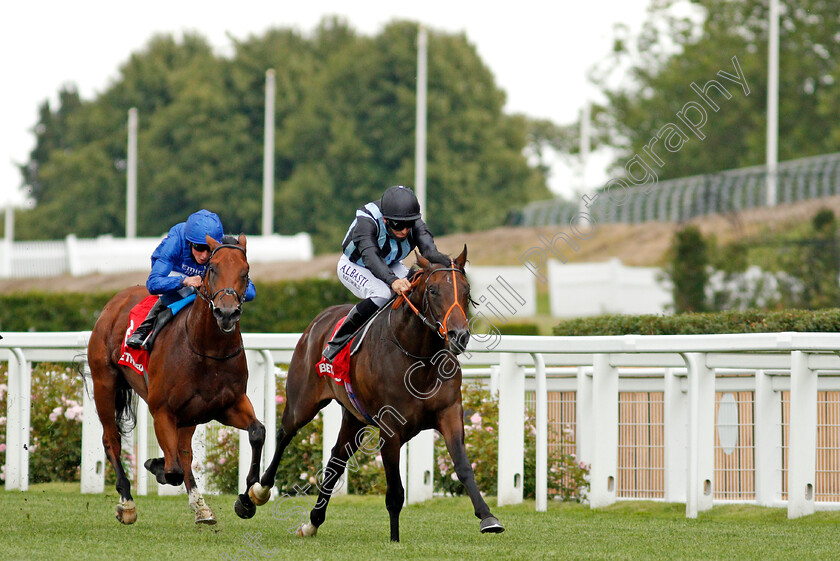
[345,131]
[674,52]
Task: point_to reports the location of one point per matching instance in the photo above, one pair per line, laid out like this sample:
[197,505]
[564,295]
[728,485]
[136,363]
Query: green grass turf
[55,521]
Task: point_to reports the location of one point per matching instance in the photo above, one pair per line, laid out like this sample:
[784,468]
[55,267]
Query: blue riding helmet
[203,223]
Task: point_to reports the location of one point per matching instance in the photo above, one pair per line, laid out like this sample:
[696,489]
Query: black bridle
[205,293]
[204,290]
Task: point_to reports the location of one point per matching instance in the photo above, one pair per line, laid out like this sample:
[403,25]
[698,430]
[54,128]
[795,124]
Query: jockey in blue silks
[383,234]
[178,264]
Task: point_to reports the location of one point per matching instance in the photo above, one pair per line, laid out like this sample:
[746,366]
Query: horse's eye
[433,290]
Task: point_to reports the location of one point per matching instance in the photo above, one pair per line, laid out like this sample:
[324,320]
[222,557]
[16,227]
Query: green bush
[519,329]
[280,307]
[748,321]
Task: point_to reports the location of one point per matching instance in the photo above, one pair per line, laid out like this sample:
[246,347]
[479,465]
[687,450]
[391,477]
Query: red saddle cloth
[136,359]
[339,369]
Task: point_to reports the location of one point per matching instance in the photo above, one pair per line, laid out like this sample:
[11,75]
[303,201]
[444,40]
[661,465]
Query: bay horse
[398,376]
[197,373]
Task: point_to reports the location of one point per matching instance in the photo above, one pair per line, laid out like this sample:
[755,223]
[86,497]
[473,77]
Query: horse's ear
[422,261]
[241,240]
[461,260]
[212,243]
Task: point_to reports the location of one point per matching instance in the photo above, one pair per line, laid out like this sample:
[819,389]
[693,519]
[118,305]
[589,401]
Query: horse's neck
[414,336]
[204,333]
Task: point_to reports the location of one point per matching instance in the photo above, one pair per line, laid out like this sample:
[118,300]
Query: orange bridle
[438,327]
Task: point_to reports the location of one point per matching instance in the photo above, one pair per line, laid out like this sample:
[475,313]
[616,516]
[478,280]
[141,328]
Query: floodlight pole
[131,177]
[268,157]
[420,139]
[773,104]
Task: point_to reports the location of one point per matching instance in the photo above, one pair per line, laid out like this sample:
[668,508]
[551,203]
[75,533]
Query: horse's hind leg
[349,437]
[451,427]
[203,514]
[106,383]
[166,431]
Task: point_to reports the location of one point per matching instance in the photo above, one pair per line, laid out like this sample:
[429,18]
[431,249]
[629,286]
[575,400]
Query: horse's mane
[230,239]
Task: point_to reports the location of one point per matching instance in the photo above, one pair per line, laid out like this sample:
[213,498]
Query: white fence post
[603,475]
[511,430]
[93,451]
[583,415]
[701,435]
[541,399]
[142,440]
[270,417]
[768,441]
[802,456]
[421,460]
[331,415]
[676,444]
[17,421]
[256,393]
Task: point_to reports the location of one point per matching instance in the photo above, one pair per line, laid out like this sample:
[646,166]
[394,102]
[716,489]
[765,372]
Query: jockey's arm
[365,237]
[250,292]
[159,281]
[426,243]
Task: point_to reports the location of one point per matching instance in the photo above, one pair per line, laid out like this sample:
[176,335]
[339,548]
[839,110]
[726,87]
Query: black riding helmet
[399,204]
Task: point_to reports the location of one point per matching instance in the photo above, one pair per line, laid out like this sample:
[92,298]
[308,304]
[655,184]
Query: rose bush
[567,477]
[55,435]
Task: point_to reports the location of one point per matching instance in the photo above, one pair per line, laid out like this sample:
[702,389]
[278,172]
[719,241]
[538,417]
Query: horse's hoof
[307,530]
[126,512]
[205,516]
[244,508]
[258,494]
[491,525]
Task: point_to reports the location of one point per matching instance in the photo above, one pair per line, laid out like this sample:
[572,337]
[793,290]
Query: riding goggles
[200,247]
[400,224]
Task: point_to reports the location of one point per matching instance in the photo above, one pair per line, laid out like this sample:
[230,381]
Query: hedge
[750,321]
[280,307]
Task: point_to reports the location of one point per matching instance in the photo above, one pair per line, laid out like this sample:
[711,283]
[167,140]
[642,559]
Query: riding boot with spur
[139,336]
[356,318]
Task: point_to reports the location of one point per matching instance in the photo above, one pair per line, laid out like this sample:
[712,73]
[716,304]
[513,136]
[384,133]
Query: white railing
[686,368]
[109,255]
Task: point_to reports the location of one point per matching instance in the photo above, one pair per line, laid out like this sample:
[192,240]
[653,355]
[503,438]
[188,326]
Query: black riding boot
[161,320]
[142,332]
[356,318]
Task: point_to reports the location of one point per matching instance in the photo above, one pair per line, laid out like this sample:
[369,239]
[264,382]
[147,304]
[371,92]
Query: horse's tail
[125,410]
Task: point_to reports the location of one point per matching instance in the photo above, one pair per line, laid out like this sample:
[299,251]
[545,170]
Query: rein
[437,326]
[204,293]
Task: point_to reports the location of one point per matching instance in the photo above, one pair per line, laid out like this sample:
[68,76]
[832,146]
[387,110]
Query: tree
[673,52]
[345,117]
[687,270]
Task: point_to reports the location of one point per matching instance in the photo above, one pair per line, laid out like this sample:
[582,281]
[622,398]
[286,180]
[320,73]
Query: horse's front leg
[350,435]
[395,493]
[203,514]
[241,415]
[451,426]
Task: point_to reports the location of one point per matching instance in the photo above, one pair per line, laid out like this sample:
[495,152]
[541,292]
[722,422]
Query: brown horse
[405,375]
[197,373]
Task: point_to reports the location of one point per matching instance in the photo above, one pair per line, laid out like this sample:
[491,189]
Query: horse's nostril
[459,339]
